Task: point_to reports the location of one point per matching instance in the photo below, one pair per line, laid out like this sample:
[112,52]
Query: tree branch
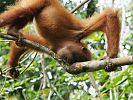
[35,46]
[75,9]
[89,66]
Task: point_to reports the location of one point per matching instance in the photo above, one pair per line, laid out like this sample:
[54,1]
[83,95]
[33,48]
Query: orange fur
[14,55]
[59,29]
[108,22]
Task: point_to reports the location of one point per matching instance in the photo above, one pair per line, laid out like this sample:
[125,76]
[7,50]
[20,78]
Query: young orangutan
[59,30]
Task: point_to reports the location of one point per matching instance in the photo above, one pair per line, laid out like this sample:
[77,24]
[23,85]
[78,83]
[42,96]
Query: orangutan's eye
[84,49]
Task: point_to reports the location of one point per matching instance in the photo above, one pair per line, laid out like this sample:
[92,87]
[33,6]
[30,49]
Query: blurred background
[43,79]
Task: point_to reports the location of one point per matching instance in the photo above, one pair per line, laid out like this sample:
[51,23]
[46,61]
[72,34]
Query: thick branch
[76,68]
[35,46]
[91,66]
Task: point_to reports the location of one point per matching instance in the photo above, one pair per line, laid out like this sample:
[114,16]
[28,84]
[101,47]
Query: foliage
[31,84]
[91,7]
[4,3]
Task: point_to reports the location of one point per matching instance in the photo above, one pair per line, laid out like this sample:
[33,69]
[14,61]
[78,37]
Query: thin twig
[5,40]
[45,75]
[95,85]
[26,57]
[75,9]
[29,64]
